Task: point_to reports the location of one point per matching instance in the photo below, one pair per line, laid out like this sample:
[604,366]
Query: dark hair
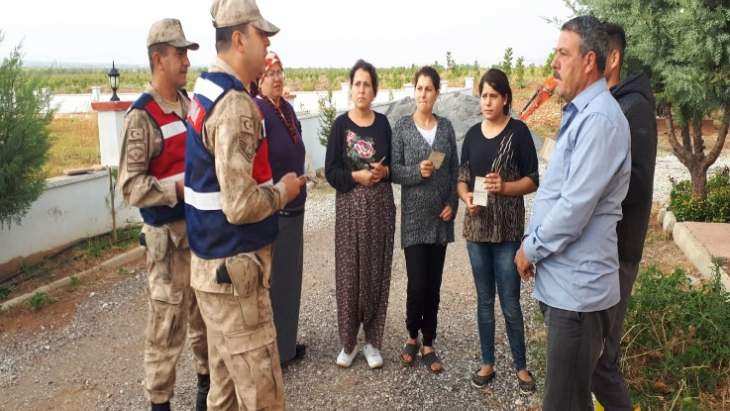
[616,38]
[160,48]
[499,82]
[430,72]
[224,35]
[593,37]
[364,65]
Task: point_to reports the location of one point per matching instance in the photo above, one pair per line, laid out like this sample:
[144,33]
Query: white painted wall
[111,124]
[70,209]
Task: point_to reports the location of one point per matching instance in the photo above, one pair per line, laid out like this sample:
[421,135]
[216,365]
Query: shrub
[676,340]
[40,300]
[24,142]
[716,208]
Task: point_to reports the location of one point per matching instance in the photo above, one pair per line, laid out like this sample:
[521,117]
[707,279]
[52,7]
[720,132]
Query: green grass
[74,282]
[74,143]
[40,300]
[5,292]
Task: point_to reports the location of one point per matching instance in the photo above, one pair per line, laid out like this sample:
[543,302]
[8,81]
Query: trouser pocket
[160,266]
[246,274]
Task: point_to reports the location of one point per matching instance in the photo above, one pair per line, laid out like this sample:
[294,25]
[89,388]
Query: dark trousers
[286,283]
[425,266]
[575,341]
[608,383]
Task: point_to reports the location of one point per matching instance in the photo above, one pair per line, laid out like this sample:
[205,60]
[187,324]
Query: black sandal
[409,349]
[430,359]
[527,387]
[481,381]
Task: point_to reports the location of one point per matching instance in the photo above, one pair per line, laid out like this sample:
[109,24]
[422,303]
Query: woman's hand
[493,183]
[426,167]
[470,207]
[379,172]
[447,213]
[363,177]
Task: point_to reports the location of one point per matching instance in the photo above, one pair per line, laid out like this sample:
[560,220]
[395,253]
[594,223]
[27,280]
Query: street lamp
[114,82]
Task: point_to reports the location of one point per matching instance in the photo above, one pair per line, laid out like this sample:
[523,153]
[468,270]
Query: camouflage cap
[169,31]
[227,13]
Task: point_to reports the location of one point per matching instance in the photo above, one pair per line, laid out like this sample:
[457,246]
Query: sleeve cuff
[530,249]
[168,190]
[281,191]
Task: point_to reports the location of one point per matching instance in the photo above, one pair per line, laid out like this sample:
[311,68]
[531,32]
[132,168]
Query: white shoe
[344,360]
[372,355]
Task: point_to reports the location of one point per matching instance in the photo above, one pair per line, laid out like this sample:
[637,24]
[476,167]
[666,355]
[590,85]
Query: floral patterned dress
[364,229]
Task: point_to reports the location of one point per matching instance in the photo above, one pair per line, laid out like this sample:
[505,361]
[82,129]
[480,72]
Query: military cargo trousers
[173,313]
[245,373]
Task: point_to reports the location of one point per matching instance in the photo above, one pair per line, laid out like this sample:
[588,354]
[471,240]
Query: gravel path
[95,361]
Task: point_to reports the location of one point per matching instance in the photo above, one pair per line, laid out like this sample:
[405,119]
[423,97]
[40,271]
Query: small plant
[4,292]
[715,208]
[675,344]
[40,300]
[327,115]
[74,282]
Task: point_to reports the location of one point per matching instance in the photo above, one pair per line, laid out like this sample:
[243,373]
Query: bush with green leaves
[676,341]
[715,209]
[684,46]
[327,116]
[24,138]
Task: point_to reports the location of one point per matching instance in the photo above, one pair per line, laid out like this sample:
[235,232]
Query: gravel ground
[95,361]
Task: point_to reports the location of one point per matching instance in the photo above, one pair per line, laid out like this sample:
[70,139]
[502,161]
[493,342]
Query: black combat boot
[201,403]
[161,407]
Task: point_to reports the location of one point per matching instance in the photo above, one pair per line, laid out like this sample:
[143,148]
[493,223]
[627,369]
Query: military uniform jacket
[143,141]
[232,133]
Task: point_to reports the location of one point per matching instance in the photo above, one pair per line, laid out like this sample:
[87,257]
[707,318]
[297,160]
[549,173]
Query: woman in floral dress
[358,167]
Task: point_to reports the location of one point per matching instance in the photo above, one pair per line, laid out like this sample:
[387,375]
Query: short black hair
[429,72]
[616,38]
[224,35]
[592,35]
[160,48]
[364,65]
[500,83]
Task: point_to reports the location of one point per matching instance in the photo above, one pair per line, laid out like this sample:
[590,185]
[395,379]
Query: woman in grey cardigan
[425,163]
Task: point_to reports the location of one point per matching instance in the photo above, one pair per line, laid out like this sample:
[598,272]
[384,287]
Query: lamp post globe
[114,82]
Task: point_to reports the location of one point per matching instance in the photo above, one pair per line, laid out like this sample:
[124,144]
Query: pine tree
[24,138]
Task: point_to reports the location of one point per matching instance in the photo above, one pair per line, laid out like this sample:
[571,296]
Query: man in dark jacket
[637,102]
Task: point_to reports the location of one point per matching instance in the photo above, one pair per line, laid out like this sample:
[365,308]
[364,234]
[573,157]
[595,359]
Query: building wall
[71,208]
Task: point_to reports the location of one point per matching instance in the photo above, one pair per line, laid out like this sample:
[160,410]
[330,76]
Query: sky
[314,33]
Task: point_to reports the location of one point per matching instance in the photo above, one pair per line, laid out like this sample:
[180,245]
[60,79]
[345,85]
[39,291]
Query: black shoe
[481,381]
[299,352]
[201,401]
[161,407]
[527,387]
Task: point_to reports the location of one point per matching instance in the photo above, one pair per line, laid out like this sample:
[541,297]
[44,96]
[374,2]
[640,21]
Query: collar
[166,106]
[219,65]
[586,96]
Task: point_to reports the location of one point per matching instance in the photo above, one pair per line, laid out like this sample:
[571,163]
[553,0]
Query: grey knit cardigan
[422,200]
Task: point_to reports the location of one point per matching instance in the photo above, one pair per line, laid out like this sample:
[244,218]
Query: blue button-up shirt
[572,233]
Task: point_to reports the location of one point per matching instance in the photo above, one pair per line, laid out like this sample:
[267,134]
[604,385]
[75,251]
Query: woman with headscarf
[286,154]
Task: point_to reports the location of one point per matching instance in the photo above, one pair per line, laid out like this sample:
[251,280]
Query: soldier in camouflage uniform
[151,178]
[230,206]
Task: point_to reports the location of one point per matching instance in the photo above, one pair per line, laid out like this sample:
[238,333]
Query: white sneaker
[372,355]
[344,360]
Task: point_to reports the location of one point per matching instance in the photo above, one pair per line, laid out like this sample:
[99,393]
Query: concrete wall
[70,209]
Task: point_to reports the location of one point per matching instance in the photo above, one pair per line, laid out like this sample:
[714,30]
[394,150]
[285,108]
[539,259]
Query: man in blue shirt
[570,245]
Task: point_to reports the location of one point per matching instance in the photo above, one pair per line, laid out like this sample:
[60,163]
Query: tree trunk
[698,174]
[691,151]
